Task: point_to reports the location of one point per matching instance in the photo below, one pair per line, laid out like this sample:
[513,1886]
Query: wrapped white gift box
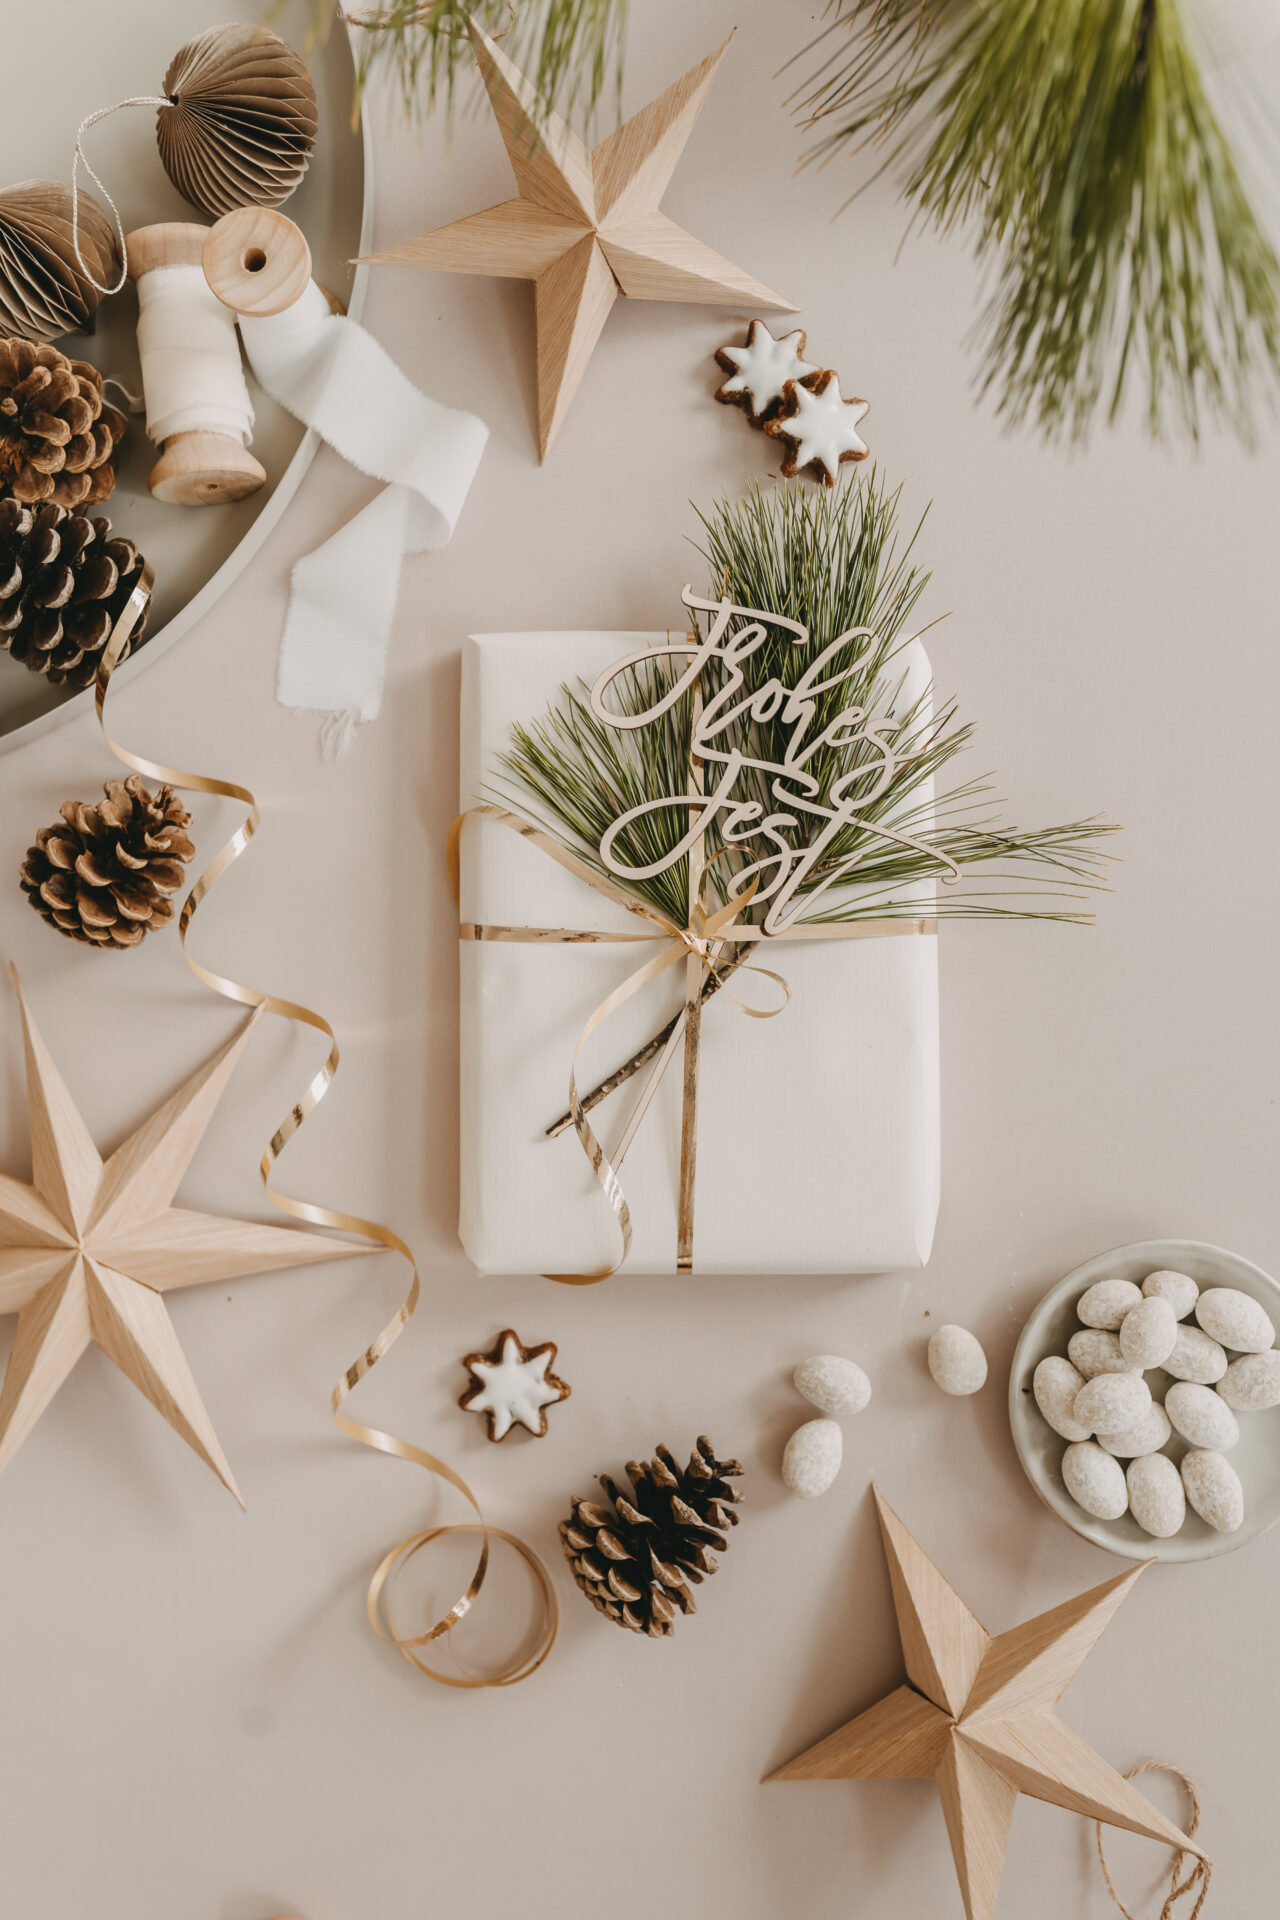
[818,1147]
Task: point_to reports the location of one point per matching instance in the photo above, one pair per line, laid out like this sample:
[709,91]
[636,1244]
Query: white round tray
[196,551]
[1256,1458]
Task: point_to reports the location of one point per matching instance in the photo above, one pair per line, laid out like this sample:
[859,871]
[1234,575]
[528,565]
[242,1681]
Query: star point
[89,1248]
[587,226]
[978,1719]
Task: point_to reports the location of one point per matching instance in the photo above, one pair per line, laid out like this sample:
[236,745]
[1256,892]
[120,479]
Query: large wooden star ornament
[978,1719]
[586,225]
[90,1248]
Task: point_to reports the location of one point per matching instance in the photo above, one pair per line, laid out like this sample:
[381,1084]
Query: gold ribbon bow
[379,1597]
[699,944]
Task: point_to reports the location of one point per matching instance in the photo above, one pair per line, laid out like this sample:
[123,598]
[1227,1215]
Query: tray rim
[255,538]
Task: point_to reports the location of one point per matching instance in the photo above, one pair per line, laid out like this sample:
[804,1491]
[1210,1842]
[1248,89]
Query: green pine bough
[569,48]
[1078,137]
[834,561]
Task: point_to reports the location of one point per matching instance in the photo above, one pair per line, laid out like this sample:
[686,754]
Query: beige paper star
[585,227]
[89,1249]
[978,1719]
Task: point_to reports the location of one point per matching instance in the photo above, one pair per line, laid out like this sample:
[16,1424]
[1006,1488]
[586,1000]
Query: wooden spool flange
[194,469]
[258,263]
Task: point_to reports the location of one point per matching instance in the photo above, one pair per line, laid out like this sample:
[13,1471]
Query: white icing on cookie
[762,368]
[514,1387]
[820,425]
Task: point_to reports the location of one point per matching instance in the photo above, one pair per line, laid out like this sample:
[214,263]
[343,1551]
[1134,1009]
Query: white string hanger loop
[81,159]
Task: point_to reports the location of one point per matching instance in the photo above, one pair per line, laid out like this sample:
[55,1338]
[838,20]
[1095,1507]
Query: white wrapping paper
[817,1131]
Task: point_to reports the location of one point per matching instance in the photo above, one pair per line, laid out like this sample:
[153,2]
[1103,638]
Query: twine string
[1201,1870]
[133,402]
[81,159]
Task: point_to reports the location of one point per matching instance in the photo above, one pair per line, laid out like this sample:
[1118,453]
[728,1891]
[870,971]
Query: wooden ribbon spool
[200,468]
[258,262]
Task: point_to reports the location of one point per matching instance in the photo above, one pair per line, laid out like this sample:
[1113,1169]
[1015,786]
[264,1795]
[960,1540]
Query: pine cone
[64,581]
[635,1559]
[106,874]
[57,435]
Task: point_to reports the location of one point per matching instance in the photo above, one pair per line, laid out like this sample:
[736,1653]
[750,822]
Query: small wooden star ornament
[90,1248]
[513,1383]
[586,226]
[978,1719]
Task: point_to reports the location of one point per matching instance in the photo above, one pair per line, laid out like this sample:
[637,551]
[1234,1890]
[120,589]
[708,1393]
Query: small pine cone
[64,581]
[636,1559]
[107,874]
[58,437]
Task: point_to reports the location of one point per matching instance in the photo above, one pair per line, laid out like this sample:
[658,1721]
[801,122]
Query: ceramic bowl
[1256,1458]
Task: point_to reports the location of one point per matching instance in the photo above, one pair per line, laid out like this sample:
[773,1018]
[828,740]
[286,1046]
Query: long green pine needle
[833,560]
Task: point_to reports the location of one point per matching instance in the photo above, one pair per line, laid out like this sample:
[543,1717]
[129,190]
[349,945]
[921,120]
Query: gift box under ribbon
[817,1130]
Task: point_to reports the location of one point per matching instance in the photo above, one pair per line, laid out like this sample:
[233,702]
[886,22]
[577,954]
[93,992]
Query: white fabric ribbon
[191,374]
[327,371]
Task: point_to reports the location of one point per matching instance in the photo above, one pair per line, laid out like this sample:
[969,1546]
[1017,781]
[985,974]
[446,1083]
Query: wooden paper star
[978,1718]
[585,226]
[89,1249]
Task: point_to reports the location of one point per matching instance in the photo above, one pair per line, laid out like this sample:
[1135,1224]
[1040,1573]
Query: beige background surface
[194,1720]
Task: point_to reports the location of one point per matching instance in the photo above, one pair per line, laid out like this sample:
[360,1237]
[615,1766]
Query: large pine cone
[58,436]
[64,581]
[635,1560]
[106,874]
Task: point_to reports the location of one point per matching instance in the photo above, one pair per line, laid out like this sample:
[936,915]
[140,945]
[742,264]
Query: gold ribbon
[701,942]
[379,1597]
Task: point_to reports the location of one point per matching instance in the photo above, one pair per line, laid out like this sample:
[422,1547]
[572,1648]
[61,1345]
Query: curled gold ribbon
[700,941]
[379,1598]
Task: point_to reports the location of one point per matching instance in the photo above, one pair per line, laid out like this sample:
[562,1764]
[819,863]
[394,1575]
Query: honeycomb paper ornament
[45,291]
[240,121]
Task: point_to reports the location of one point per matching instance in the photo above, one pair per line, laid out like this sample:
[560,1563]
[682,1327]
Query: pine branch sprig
[571,49]
[833,561]
[1079,138]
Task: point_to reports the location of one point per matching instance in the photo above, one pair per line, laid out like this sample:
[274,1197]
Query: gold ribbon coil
[700,942]
[379,1598]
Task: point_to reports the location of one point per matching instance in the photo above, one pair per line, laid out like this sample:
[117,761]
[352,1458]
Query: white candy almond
[1202,1416]
[1252,1383]
[1148,1436]
[956,1360]
[1055,1385]
[811,1458]
[1213,1488]
[1106,1303]
[1149,1334]
[1156,1498]
[1179,1289]
[1235,1319]
[832,1384]
[1093,1351]
[1112,1403]
[1095,1481]
[1196,1357]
